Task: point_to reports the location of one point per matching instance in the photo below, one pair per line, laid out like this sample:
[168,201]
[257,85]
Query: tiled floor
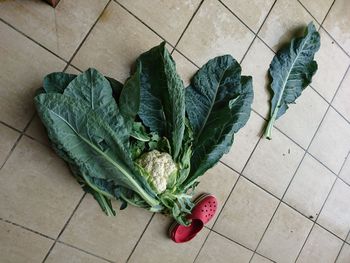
[285,200]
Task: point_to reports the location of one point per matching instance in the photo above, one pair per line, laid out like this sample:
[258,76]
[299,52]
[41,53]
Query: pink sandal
[202,213]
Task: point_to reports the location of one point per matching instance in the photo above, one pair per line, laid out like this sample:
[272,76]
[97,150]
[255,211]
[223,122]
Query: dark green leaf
[291,71]
[117,87]
[78,130]
[129,101]
[162,107]
[56,82]
[93,88]
[218,104]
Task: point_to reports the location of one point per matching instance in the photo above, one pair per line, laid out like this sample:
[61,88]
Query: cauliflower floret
[159,165]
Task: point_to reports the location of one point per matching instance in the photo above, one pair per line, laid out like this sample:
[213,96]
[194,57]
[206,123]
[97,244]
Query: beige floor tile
[273,163]
[228,252]
[345,171]
[214,31]
[344,254]
[8,138]
[329,75]
[212,182]
[29,191]
[285,235]
[20,245]
[251,12]
[167,18]
[23,66]
[62,29]
[244,142]
[184,68]
[341,100]
[256,64]
[335,215]
[156,246]
[318,8]
[303,118]
[239,220]
[310,187]
[333,135]
[62,253]
[337,23]
[321,246]
[109,237]
[36,129]
[259,259]
[286,20]
[115,42]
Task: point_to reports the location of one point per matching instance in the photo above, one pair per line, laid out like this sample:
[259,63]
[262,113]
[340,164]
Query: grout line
[33,40]
[188,24]
[86,36]
[223,206]
[196,66]
[26,228]
[342,246]
[299,166]
[269,223]
[321,25]
[329,10]
[17,141]
[138,241]
[284,202]
[11,151]
[240,174]
[256,35]
[314,89]
[64,227]
[318,22]
[84,251]
[240,20]
[345,119]
[226,237]
[78,69]
[23,132]
[9,126]
[305,149]
[315,222]
[335,41]
[329,193]
[205,241]
[122,6]
[189,60]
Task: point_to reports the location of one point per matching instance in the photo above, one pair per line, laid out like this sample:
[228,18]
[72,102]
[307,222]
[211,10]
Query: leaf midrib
[100,152]
[286,80]
[211,106]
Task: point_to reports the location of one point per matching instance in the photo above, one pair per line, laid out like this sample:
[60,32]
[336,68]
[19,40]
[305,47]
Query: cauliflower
[159,166]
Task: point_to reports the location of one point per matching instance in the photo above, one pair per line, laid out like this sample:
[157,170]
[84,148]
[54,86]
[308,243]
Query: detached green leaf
[291,71]
[162,107]
[218,104]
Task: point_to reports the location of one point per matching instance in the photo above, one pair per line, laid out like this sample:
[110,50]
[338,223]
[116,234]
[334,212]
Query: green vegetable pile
[148,141]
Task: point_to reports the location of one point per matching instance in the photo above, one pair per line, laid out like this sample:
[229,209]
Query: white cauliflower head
[159,166]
